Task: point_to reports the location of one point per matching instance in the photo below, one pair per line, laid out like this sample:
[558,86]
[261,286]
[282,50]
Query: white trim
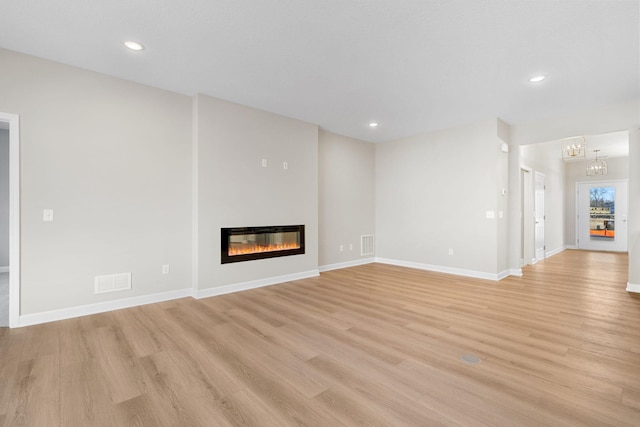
[14,216]
[5,269]
[441,269]
[347,264]
[515,272]
[555,251]
[571,247]
[527,220]
[101,307]
[236,287]
[632,287]
[503,274]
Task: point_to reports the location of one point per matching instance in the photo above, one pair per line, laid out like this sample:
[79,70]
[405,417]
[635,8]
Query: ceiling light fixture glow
[537,79]
[373,124]
[133,45]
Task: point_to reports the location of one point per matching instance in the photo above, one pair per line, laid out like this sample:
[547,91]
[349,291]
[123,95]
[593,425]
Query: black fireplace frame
[225,258]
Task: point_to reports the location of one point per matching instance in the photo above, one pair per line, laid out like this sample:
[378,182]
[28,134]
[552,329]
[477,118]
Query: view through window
[602,213]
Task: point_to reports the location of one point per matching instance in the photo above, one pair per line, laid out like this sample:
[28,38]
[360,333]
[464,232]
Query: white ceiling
[411,65]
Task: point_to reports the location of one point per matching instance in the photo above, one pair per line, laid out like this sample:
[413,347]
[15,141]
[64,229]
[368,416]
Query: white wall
[234,190]
[112,159]
[432,194]
[4,198]
[546,158]
[618,168]
[502,196]
[346,169]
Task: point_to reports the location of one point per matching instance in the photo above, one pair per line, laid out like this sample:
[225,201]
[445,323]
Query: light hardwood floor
[373,345]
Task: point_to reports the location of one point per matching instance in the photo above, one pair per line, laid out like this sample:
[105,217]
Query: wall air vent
[112,283]
[367,245]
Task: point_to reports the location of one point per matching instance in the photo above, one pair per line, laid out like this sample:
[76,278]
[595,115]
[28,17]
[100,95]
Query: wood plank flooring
[370,345]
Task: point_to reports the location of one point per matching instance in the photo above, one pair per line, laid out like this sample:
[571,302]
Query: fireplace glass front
[249,243]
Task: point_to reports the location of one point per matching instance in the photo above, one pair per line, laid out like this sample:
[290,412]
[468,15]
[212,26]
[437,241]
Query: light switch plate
[47,215]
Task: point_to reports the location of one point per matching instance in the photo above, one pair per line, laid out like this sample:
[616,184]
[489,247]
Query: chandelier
[574,147]
[597,166]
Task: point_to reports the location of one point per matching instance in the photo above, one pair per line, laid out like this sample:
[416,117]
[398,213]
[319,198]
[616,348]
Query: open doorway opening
[563,172]
[9,220]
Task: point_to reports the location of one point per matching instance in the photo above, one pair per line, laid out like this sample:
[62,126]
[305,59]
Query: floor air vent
[367,245]
[471,359]
[112,283]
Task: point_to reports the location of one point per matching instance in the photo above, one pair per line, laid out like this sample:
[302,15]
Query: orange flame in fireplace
[253,249]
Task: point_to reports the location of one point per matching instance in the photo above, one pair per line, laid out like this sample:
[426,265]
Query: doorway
[602,215]
[11,305]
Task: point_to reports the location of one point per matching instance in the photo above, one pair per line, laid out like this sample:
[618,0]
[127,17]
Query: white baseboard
[503,274]
[555,251]
[101,307]
[346,264]
[571,246]
[632,287]
[4,269]
[236,287]
[442,269]
[515,272]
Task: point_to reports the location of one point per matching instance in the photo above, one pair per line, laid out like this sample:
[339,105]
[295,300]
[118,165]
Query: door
[602,216]
[526,217]
[539,217]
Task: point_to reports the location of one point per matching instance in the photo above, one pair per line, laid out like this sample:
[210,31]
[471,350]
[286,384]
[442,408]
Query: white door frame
[537,219]
[625,219]
[527,216]
[14,216]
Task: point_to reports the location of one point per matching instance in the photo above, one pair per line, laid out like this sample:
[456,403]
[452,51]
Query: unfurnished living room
[327,213]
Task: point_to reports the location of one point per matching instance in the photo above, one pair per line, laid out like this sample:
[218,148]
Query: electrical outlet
[165,268]
[264,163]
[350,246]
[341,248]
[285,165]
[450,251]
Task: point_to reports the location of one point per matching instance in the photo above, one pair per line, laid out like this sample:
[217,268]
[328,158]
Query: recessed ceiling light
[373,124]
[537,79]
[133,45]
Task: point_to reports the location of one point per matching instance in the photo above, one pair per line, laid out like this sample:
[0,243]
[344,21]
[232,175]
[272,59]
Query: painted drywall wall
[610,119]
[634,208]
[234,190]
[502,196]
[545,158]
[433,192]
[618,168]
[112,159]
[346,188]
[4,198]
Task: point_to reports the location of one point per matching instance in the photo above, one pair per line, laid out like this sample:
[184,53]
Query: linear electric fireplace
[249,243]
